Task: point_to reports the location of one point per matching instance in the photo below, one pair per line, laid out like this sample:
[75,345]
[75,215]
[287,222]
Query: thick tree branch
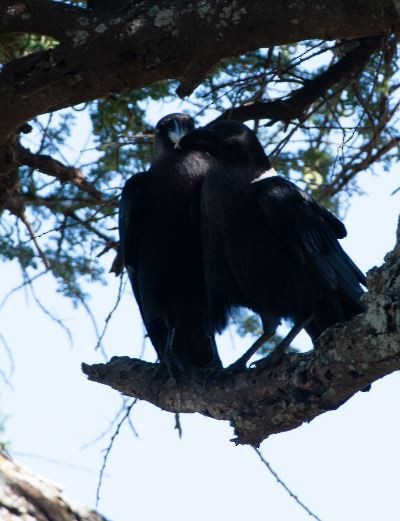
[346,359]
[44,17]
[108,53]
[23,495]
[295,105]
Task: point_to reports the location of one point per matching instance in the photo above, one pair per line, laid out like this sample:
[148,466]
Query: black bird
[268,245]
[160,245]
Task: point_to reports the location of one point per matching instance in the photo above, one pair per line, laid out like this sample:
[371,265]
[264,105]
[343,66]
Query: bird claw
[240,364]
[174,366]
[270,361]
[237,367]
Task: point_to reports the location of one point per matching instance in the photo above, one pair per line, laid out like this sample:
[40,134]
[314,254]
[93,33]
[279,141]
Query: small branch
[294,106]
[108,449]
[121,288]
[278,479]
[178,425]
[50,166]
[347,357]
[344,177]
[110,243]
[32,235]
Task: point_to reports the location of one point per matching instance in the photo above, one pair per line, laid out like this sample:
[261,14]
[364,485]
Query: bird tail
[118,264]
[193,344]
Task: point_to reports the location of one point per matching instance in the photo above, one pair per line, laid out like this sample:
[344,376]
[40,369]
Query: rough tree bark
[119,45]
[103,52]
[25,496]
[346,359]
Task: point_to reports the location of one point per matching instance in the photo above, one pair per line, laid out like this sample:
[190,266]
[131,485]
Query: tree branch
[111,52]
[347,358]
[44,17]
[344,177]
[295,105]
[24,495]
[54,168]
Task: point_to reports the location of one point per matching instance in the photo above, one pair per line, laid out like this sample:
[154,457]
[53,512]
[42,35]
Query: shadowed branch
[346,358]
[295,105]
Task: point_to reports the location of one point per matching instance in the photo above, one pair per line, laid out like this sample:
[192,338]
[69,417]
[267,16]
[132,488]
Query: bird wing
[130,210]
[309,233]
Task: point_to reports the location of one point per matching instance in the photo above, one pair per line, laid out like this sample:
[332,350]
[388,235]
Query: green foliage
[117,120]
[17,45]
[341,135]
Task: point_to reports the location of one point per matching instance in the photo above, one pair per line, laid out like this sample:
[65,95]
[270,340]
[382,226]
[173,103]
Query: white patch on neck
[265,175]
[175,136]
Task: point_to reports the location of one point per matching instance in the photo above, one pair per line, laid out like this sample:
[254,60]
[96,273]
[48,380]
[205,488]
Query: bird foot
[272,360]
[240,364]
[159,374]
[280,351]
[170,368]
[174,366]
[237,367]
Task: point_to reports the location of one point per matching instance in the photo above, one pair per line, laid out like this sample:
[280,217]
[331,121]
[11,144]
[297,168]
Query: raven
[268,245]
[160,245]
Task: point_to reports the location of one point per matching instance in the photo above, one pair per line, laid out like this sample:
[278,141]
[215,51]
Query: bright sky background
[344,465]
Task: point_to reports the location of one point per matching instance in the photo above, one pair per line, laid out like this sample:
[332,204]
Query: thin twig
[3,375]
[125,401]
[53,461]
[21,286]
[50,166]
[108,450]
[47,312]
[8,352]
[178,425]
[104,433]
[31,233]
[121,287]
[278,479]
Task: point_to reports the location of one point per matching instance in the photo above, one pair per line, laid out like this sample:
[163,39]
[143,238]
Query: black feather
[160,245]
[268,245]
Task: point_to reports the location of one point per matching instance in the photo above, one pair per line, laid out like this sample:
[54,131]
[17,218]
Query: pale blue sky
[343,465]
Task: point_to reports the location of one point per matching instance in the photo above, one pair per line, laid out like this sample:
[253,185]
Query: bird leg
[216,361]
[173,364]
[280,350]
[242,361]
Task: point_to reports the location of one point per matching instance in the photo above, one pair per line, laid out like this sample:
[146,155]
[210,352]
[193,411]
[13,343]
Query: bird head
[228,140]
[170,129]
